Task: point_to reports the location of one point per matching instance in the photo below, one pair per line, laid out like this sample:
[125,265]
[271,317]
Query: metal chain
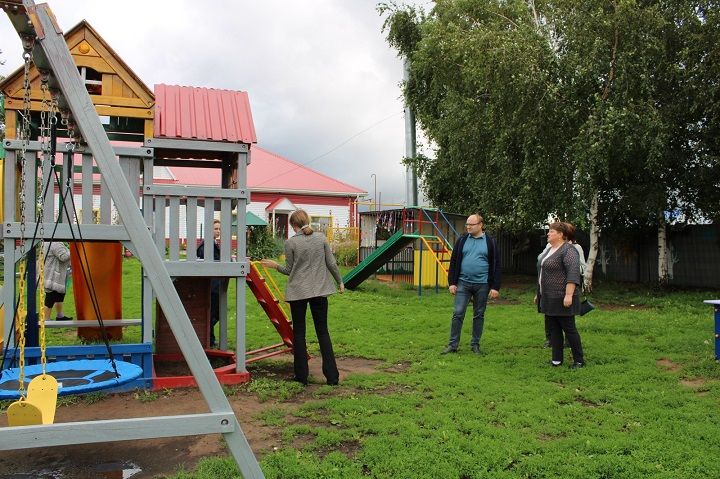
[25,142]
[45,111]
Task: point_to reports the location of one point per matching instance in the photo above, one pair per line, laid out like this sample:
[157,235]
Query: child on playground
[57,261]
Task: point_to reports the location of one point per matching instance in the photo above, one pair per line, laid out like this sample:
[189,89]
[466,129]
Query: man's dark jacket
[493,261]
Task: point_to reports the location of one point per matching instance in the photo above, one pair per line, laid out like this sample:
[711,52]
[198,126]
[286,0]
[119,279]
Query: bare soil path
[153,458]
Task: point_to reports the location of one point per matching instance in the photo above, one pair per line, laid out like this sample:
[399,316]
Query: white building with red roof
[278,186]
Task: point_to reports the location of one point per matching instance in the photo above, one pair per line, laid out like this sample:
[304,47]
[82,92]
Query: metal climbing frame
[50,53]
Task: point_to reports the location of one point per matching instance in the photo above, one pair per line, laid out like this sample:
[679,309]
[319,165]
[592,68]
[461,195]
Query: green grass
[504,414]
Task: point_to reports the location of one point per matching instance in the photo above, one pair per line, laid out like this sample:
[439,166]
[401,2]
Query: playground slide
[378,258]
[104,269]
[269,304]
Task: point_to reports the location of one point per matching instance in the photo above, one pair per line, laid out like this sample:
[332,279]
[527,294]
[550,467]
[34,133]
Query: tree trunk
[594,243]
[662,252]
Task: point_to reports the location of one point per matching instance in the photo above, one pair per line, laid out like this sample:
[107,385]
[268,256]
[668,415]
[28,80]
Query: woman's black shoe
[577,365]
[301,381]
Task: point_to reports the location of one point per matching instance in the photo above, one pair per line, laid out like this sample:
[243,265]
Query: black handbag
[585,307]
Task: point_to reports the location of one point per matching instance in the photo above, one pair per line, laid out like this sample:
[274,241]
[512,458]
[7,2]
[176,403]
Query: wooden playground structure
[73,81]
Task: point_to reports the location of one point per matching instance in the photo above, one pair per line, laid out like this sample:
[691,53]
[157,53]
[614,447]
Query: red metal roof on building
[203,114]
[270,172]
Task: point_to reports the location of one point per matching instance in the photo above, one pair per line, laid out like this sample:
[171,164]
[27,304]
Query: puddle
[117,470]
[110,470]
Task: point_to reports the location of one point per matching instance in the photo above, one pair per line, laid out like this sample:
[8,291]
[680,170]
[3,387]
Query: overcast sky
[323,83]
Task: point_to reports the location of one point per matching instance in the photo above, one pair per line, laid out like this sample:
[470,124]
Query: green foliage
[346,253]
[535,107]
[273,389]
[261,243]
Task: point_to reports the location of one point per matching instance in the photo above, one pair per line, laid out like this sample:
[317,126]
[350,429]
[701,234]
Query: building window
[91,79]
[321,223]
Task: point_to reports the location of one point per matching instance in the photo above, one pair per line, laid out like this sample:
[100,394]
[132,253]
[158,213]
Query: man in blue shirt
[474,273]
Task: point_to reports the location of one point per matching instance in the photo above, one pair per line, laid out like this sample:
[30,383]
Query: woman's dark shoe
[577,365]
[333,383]
[304,382]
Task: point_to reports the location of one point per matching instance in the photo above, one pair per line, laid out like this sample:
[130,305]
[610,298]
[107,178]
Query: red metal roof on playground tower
[203,114]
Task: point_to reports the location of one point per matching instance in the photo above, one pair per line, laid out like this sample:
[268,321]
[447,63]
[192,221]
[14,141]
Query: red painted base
[225,374]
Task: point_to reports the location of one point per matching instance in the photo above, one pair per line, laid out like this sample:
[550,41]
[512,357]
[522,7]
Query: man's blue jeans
[479,294]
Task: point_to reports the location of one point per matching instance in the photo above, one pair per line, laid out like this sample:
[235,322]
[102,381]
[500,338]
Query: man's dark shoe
[475,349]
[64,318]
[449,349]
[577,365]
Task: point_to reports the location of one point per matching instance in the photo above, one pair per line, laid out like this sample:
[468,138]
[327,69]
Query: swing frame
[51,54]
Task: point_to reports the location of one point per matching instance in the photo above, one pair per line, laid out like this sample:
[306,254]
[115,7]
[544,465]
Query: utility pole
[411,190]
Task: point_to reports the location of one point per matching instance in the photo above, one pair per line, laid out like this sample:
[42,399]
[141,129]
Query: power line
[343,143]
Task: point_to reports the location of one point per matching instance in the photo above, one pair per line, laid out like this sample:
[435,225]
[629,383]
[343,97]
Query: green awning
[252,219]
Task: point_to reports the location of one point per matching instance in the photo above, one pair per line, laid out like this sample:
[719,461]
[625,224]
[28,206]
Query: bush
[261,243]
[346,253]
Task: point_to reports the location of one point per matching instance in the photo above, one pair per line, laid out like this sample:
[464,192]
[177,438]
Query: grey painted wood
[93,323]
[160,225]
[226,230]
[105,206]
[191,228]
[142,152]
[210,269]
[63,233]
[175,144]
[29,188]
[200,191]
[83,111]
[87,189]
[208,252]
[25,437]
[9,290]
[174,228]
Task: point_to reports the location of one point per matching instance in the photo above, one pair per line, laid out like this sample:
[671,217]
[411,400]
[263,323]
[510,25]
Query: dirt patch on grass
[586,402]
[694,383]
[668,364]
[151,458]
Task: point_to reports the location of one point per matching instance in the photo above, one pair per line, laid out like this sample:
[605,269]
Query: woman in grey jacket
[558,294]
[311,268]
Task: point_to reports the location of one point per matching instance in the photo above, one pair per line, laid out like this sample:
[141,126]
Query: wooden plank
[160,225]
[87,189]
[105,207]
[10,123]
[96,63]
[173,143]
[225,229]
[199,191]
[63,232]
[24,437]
[208,229]
[174,228]
[92,323]
[191,228]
